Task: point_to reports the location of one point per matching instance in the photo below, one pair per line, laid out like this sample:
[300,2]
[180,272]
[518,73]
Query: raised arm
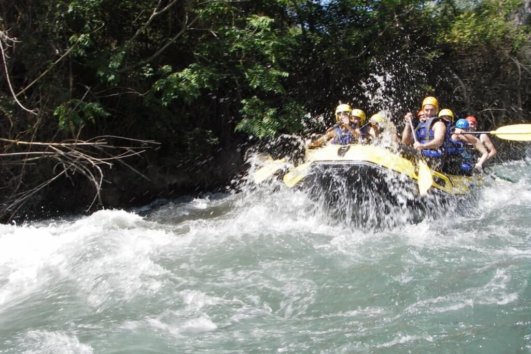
[407,134]
[322,139]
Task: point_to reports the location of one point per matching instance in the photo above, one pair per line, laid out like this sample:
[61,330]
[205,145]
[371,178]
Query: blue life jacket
[424,132]
[454,147]
[459,149]
[469,158]
[342,137]
[451,147]
[364,133]
[463,154]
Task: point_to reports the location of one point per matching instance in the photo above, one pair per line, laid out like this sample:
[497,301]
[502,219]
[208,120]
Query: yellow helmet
[343,108]
[360,114]
[447,112]
[432,101]
[377,119]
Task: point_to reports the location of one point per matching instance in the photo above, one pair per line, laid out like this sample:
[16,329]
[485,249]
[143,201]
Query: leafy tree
[485,55]
[201,77]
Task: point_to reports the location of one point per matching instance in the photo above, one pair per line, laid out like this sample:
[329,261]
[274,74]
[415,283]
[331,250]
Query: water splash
[266,268]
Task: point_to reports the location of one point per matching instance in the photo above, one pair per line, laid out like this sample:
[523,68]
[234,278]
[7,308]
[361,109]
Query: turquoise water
[264,271]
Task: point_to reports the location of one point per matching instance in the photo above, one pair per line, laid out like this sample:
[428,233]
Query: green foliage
[189,73]
[243,59]
[266,78]
[187,84]
[254,51]
[259,37]
[262,121]
[74,113]
[487,25]
[80,42]
[258,119]
[109,74]
[204,68]
[77,18]
[291,117]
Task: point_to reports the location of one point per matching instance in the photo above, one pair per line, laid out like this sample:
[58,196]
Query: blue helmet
[462,124]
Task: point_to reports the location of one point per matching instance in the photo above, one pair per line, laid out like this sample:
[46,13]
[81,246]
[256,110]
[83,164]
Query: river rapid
[264,271]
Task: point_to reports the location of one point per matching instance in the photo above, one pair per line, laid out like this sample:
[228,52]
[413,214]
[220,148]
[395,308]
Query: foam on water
[266,270]
[45,342]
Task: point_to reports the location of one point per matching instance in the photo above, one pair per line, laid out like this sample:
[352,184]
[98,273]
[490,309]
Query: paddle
[424,178]
[296,174]
[500,179]
[268,170]
[516,132]
[497,177]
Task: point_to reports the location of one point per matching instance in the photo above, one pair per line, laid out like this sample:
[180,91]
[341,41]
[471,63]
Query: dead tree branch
[5,40]
[87,158]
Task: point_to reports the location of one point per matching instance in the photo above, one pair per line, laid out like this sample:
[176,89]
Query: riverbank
[157,176]
[162,176]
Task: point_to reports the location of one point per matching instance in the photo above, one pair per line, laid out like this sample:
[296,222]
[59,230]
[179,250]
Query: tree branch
[5,39]
[87,158]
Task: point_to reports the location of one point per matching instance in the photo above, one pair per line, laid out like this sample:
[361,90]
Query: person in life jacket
[383,131]
[484,138]
[430,132]
[447,117]
[469,142]
[358,119]
[346,130]
[452,149]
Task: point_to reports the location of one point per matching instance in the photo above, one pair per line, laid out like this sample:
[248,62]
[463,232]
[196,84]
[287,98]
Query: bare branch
[46,71]
[4,39]
[86,158]
[154,14]
[169,42]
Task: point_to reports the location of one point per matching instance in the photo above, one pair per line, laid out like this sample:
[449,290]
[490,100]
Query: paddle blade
[517,132]
[268,170]
[297,174]
[425,178]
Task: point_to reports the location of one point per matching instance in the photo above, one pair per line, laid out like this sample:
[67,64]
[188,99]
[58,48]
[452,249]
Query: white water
[266,271]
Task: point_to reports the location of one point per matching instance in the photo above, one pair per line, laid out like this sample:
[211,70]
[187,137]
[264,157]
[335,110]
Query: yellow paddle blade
[517,132]
[297,174]
[268,170]
[425,178]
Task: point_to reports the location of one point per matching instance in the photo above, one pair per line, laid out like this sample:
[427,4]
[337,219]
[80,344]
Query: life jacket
[364,133]
[469,158]
[454,148]
[451,147]
[463,151]
[342,137]
[461,158]
[424,132]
